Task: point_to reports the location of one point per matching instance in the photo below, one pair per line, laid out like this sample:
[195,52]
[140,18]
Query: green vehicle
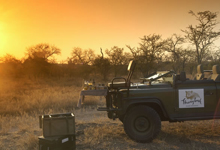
[162,96]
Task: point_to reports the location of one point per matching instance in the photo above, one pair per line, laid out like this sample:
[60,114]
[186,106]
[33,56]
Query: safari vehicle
[162,96]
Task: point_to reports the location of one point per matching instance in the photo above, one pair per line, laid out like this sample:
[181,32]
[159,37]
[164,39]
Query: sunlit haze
[92,23]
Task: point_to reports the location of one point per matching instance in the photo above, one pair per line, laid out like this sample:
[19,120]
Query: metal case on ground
[57,124]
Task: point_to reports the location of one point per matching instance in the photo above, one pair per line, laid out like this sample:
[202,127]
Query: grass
[39,96]
[22,101]
[19,132]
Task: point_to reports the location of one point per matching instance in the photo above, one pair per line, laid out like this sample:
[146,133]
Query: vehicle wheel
[142,124]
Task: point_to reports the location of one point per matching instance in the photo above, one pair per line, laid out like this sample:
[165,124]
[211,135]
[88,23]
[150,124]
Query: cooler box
[57,124]
[57,143]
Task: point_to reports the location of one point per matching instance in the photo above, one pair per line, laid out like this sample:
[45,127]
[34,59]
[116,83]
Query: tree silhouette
[173,45]
[117,58]
[103,66]
[82,57]
[38,59]
[149,54]
[187,58]
[202,36]
[10,66]
[42,50]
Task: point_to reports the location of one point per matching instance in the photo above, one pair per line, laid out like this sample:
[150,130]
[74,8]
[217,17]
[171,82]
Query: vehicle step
[107,109]
[102,109]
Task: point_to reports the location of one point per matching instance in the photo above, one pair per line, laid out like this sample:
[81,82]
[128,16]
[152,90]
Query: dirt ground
[95,131]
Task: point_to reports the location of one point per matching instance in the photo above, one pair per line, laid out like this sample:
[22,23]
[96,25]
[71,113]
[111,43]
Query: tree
[79,56]
[149,54]
[117,58]
[173,45]
[81,60]
[187,59]
[9,59]
[43,51]
[10,66]
[202,36]
[38,59]
[103,66]
[216,56]
[37,67]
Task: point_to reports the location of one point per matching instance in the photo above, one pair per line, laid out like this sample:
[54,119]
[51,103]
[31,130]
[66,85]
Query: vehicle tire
[142,124]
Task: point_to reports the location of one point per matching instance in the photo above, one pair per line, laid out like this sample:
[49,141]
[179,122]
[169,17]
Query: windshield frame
[157,75]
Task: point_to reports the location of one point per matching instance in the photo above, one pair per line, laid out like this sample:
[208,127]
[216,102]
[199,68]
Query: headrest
[215,69]
[199,69]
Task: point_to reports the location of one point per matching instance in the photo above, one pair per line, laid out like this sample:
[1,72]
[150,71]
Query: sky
[92,24]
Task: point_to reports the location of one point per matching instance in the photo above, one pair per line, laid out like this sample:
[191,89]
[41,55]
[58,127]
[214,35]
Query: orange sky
[92,23]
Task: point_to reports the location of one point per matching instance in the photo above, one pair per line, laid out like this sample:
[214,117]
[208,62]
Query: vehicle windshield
[157,75]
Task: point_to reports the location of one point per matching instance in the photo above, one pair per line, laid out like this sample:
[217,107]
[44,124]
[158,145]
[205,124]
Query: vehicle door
[195,99]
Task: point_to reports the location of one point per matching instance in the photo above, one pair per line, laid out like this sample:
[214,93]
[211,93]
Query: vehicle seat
[215,73]
[199,75]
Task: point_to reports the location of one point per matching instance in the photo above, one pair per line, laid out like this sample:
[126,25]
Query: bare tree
[103,66]
[82,61]
[80,56]
[187,59]
[173,45]
[117,58]
[202,36]
[149,54]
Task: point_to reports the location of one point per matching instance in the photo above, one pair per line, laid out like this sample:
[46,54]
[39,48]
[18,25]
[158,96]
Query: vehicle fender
[128,103]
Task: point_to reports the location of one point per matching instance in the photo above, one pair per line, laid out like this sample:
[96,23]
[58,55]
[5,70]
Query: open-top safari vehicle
[162,96]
